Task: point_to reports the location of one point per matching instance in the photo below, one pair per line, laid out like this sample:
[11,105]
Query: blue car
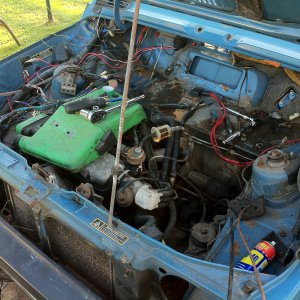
[196,194]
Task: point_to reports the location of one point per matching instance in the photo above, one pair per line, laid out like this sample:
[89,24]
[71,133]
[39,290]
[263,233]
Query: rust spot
[33,203]
[261,163]
[179,114]
[225,88]
[282,233]
[31,192]
[236,249]
[250,223]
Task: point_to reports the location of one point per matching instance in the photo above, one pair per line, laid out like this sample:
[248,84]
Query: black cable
[152,159]
[145,139]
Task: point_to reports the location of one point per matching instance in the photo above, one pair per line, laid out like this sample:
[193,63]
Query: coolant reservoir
[275,177]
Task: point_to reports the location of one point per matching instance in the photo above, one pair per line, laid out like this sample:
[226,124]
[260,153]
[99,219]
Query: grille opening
[110,3]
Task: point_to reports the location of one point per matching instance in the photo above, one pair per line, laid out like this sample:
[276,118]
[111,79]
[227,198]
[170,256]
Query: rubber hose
[149,151]
[175,154]
[166,162]
[26,90]
[141,220]
[172,219]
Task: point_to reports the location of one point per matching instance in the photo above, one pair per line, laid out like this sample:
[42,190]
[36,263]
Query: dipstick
[123,110]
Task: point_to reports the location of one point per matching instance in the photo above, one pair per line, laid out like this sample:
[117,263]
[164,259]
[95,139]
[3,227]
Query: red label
[267,249]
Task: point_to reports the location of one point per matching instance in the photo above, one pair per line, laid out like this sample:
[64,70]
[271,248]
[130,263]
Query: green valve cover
[71,142]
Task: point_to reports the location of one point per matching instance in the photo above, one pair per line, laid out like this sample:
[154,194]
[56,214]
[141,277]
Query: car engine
[210,148]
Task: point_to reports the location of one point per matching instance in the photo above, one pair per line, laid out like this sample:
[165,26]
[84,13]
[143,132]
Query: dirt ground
[11,291]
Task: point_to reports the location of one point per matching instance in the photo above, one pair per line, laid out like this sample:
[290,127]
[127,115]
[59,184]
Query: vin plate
[113,234]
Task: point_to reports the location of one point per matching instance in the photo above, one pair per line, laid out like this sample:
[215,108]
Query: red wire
[289,142]
[136,56]
[213,138]
[9,104]
[48,65]
[214,142]
[36,73]
[44,61]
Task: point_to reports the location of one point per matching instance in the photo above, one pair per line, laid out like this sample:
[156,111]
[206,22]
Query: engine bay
[210,145]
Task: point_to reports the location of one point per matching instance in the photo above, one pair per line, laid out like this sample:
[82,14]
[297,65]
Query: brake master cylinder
[275,177]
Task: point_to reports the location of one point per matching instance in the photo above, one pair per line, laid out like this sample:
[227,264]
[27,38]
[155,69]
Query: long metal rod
[3,23]
[123,110]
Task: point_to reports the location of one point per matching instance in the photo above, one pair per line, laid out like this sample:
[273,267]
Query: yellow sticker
[111,233]
[260,261]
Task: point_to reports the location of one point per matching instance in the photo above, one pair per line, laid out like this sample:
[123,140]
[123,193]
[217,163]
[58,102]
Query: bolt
[138,150]
[204,231]
[282,233]
[291,155]
[248,287]
[291,94]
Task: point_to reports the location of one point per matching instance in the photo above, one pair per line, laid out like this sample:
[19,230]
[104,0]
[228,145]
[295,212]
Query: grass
[28,19]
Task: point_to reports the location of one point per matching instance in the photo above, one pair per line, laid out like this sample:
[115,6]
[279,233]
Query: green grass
[28,19]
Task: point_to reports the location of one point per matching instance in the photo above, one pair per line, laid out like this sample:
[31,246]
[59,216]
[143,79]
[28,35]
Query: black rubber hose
[26,90]
[189,114]
[168,153]
[152,160]
[117,17]
[172,219]
[149,151]
[141,220]
[175,154]
[159,119]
